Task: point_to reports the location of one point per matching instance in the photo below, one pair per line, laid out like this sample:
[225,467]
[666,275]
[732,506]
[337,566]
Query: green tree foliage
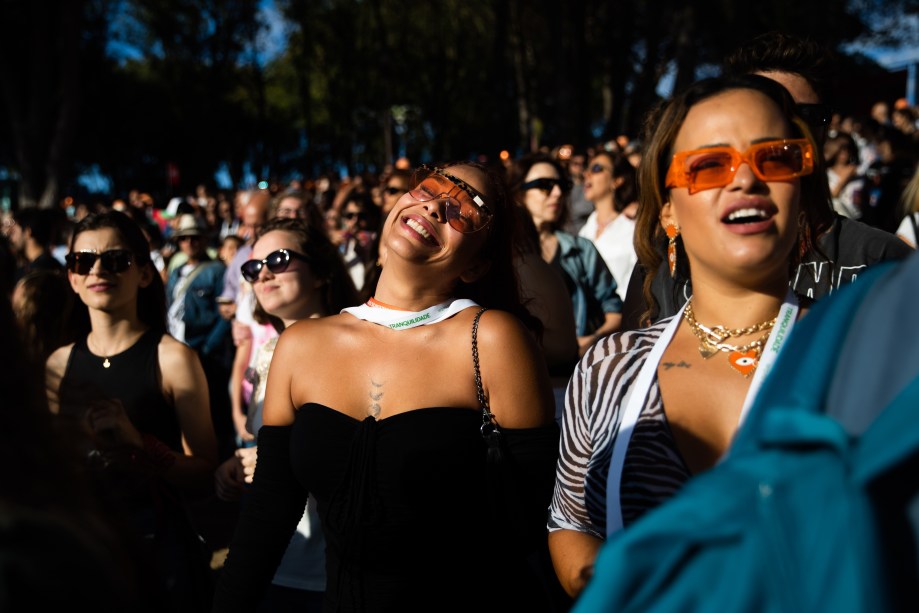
[358,82]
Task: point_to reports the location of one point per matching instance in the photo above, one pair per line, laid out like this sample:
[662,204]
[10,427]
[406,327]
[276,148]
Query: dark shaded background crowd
[134,534]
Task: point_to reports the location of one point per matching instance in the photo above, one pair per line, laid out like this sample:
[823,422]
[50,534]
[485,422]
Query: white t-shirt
[907,231]
[615,246]
[844,203]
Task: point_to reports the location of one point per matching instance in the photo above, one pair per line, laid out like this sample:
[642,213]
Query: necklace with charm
[106,363]
[742,358]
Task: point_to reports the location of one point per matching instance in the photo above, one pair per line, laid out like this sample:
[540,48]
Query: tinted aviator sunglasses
[113,261]
[774,160]
[546,185]
[466,210]
[276,262]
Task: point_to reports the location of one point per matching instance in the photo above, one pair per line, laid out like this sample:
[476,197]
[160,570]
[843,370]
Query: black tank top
[131,377]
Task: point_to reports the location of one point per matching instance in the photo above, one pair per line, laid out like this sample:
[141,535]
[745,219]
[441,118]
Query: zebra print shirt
[594,405]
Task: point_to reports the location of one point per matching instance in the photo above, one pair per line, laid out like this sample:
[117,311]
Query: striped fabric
[595,402]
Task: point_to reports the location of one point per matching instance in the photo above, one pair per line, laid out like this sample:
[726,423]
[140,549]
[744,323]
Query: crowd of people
[479,373]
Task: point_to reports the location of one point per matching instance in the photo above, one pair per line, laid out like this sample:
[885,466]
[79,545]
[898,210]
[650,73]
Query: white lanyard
[637,397]
[403,320]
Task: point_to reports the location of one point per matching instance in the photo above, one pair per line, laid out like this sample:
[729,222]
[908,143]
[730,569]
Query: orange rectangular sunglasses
[774,160]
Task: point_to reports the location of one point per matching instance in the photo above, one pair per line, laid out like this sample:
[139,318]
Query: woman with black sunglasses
[726,170]
[423,426]
[139,400]
[296,273]
[609,183]
[540,186]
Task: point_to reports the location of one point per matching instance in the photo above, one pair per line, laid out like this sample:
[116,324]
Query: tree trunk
[40,61]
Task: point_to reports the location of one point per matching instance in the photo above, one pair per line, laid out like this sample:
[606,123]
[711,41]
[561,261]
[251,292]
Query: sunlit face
[101,289]
[598,178]
[192,246]
[395,187]
[543,206]
[747,228]
[419,231]
[355,217]
[253,218]
[290,208]
[283,294]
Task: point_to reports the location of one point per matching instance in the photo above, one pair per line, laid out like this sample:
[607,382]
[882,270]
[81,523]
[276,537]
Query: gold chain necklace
[743,358]
[105,360]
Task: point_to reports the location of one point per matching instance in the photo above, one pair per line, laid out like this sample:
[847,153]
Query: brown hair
[499,287]
[516,176]
[662,126]
[325,263]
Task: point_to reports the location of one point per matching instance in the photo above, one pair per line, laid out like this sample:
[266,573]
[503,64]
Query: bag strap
[185,282]
[912,220]
[490,431]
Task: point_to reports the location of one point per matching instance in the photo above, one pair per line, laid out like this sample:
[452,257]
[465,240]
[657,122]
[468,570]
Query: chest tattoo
[680,364]
[376,394]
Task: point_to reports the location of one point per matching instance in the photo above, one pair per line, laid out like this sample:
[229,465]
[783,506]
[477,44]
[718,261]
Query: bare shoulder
[55,367]
[307,334]
[501,332]
[57,361]
[175,354]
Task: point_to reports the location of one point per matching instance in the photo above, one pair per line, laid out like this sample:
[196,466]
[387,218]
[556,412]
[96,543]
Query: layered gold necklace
[742,358]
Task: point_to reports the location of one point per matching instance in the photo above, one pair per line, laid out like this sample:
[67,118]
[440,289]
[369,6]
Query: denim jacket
[205,329]
[593,289]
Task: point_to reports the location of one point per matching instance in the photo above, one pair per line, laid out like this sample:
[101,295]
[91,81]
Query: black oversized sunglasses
[113,261]
[277,261]
[546,184]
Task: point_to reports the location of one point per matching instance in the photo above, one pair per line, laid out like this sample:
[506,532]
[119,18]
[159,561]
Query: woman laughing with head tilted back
[423,424]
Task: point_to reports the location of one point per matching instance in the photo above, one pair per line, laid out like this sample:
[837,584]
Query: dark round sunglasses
[277,261]
[113,261]
[546,184]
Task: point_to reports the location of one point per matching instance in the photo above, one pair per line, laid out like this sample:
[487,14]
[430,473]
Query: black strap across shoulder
[490,431]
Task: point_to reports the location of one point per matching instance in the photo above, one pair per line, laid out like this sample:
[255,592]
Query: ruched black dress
[416,518]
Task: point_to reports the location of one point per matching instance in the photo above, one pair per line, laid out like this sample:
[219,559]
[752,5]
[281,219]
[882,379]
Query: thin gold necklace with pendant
[105,361]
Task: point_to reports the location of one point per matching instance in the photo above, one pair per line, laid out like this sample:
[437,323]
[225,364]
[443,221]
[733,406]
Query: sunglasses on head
[276,262]
[466,210]
[113,261]
[774,160]
[596,169]
[546,185]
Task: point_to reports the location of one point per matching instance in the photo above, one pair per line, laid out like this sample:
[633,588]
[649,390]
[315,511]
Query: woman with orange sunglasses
[393,415]
[726,169]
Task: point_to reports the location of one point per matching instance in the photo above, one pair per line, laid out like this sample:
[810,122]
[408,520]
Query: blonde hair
[909,199]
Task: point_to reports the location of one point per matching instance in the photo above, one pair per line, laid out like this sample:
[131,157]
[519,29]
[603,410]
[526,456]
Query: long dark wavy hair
[325,262]
[661,129]
[499,287]
[151,300]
